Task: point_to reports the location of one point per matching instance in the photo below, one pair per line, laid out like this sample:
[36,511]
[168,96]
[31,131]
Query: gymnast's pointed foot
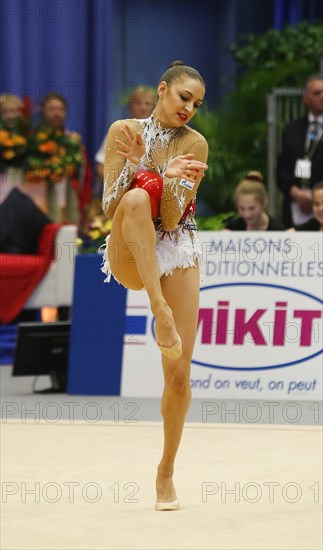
[166,494]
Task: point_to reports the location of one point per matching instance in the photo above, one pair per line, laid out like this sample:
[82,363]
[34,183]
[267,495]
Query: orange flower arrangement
[14,128]
[53,153]
[13,147]
[49,147]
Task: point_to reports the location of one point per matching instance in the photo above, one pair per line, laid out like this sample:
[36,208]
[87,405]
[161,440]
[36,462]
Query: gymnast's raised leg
[132,257]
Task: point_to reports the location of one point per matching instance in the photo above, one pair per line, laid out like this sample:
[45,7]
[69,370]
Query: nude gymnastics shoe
[162,506]
[175,352]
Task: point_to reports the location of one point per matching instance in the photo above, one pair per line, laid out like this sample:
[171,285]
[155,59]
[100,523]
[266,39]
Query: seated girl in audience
[315,223]
[251,201]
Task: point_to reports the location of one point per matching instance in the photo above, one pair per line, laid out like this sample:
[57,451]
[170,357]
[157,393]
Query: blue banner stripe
[96,349]
[136,324]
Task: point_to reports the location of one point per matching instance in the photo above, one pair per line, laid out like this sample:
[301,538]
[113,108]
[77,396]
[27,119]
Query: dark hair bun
[176,63]
[255,176]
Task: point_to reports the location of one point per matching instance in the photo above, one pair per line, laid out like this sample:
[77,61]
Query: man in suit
[300,164]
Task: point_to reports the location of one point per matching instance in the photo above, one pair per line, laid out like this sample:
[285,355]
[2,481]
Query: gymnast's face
[179,101]
[318,205]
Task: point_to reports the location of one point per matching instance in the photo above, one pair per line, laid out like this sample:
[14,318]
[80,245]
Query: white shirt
[312,118]
[99,157]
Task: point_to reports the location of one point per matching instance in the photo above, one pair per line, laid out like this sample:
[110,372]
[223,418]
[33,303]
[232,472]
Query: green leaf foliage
[214,223]
[290,45]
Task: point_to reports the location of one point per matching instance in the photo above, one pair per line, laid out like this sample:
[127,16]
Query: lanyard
[314,139]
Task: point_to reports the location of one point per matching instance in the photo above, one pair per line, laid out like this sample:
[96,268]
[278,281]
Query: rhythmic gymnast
[153,168]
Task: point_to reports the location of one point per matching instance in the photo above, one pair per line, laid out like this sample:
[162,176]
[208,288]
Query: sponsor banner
[259,332]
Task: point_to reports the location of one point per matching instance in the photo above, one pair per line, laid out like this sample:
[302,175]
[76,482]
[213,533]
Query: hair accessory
[255,176]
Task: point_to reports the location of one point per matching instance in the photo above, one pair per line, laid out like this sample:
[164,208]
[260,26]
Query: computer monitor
[42,348]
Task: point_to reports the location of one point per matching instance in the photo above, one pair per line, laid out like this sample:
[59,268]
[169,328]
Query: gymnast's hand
[132,147]
[184,166]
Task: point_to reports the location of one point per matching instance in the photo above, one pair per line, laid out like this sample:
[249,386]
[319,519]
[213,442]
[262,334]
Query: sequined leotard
[176,230]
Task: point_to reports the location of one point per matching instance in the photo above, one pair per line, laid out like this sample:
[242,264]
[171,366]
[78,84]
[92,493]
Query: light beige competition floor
[90,486]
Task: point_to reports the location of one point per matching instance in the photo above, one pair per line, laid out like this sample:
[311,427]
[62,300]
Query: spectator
[21,222]
[141,103]
[300,164]
[58,158]
[316,222]
[10,109]
[251,200]
[13,139]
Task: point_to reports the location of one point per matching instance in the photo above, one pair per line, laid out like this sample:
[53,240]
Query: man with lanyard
[300,164]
